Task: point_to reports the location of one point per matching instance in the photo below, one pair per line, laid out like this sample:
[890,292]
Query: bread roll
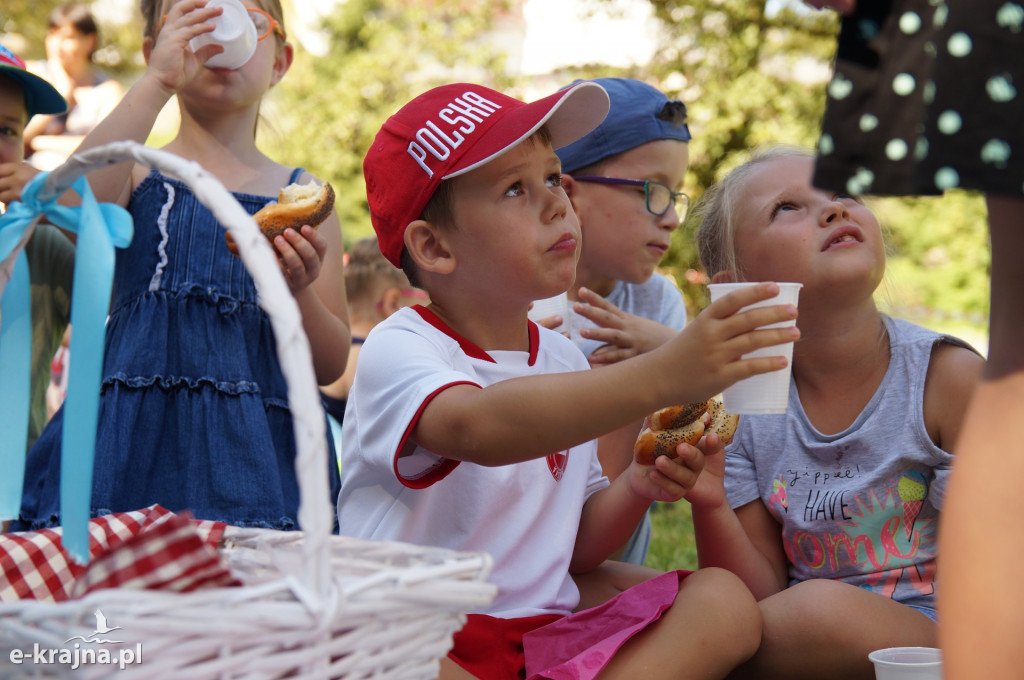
[653,443]
[674,425]
[297,204]
[724,424]
[672,417]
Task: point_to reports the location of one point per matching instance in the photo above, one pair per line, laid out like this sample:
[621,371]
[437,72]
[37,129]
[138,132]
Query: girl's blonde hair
[153,13]
[717,209]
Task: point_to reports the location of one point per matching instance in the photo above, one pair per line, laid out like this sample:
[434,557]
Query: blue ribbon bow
[100,229]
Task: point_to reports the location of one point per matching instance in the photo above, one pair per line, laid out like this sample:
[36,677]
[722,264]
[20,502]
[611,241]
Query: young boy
[623,180]
[49,253]
[471,428]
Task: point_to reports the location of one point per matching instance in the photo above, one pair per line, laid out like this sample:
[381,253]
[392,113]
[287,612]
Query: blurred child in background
[375,289]
[72,38]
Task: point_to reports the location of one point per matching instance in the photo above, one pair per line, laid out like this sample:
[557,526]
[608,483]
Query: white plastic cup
[559,304]
[767,392]
[907,663]
[234,30]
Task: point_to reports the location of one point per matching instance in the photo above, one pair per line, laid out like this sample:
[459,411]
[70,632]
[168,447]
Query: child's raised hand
[171,61]
[301,255]
[707,356]
[624,335]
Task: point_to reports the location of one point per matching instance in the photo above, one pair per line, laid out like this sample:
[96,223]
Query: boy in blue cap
[624,181]
[50,254]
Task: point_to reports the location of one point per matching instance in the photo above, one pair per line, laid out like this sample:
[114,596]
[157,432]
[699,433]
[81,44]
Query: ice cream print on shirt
[878,533]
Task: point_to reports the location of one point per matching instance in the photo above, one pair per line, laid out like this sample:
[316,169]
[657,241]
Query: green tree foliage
[939,263]
[380,53]
[749,74]
[752,78]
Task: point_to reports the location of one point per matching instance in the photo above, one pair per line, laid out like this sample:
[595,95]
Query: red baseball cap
[453,129]
[40,96]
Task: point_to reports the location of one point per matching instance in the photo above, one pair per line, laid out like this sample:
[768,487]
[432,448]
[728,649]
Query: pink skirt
[573,647]
[579,646]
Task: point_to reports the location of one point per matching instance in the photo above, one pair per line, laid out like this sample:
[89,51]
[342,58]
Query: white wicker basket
[313,605]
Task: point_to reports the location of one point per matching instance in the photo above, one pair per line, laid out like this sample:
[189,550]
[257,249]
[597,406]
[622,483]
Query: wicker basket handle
[315,512]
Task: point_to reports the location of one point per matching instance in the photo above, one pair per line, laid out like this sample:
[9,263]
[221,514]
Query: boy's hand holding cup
[766,392]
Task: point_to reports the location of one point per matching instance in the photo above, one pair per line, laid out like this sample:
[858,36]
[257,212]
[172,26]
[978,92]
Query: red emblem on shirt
[556,464]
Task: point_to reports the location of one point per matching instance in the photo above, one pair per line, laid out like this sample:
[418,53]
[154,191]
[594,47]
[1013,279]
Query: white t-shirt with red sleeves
[526,515]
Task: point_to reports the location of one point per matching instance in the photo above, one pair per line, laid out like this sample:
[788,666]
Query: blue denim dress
[193,409]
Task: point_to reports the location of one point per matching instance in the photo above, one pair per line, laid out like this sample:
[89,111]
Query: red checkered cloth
[148,548]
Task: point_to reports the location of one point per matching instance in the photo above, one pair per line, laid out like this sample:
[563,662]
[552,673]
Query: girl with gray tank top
[830,512]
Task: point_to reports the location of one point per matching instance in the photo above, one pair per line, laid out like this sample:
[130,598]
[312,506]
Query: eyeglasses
[263,22]
[658,196]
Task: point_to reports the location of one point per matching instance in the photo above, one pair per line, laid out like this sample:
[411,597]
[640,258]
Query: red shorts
[573,647]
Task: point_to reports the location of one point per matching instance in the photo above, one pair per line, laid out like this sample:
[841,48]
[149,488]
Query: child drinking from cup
[830,512]
[194,407]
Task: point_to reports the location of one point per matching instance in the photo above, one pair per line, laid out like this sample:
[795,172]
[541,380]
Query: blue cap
[40,96]
[638,114]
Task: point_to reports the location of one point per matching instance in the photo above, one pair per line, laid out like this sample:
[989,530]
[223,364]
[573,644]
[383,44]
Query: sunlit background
[750,73]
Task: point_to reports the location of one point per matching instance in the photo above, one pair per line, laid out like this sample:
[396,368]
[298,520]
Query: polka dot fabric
[927,95]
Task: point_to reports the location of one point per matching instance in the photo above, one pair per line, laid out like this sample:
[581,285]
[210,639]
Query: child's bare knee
[727,608]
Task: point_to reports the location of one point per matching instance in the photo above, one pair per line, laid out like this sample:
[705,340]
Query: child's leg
[981,540]
[826,629]
[453,671]
[601,584]
[713,625]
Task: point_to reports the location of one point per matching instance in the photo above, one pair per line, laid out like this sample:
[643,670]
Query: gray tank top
[861,505]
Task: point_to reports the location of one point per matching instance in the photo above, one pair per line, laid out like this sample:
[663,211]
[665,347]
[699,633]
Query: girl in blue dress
[194,412]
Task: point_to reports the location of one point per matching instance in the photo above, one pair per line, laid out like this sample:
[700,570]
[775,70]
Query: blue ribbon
[100,229]
[15,365]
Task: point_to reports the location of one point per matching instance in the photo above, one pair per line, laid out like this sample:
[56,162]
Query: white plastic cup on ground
[234,30]
[767,392]
[907,663]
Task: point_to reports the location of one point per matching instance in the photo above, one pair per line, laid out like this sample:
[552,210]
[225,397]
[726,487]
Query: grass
[672,545]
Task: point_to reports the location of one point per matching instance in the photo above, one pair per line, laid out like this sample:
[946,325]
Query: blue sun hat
[40,96]
[639,113]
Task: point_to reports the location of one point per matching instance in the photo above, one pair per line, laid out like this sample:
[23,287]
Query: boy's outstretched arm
[531,417]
